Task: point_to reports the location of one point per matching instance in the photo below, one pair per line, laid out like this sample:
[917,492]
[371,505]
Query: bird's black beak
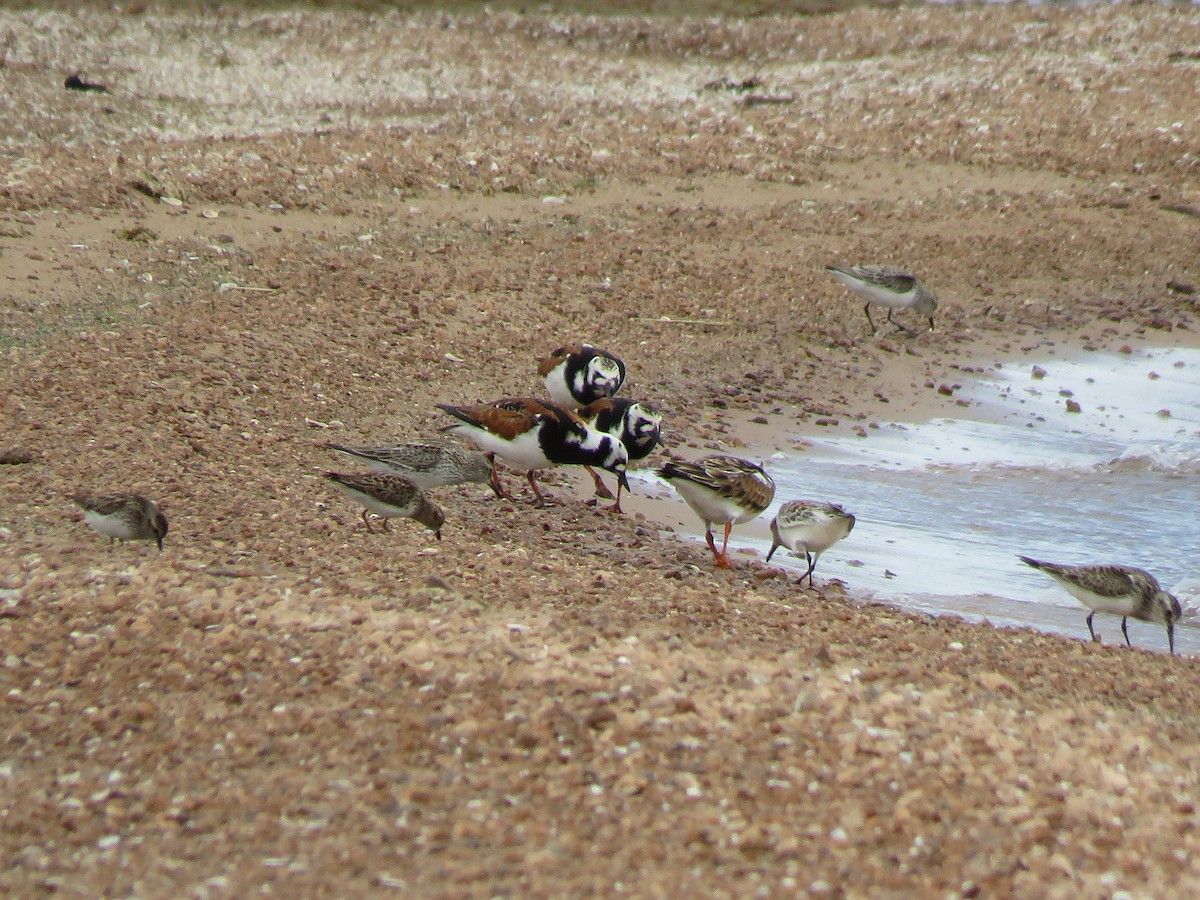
[623,480]
[931,328]
[159,539]
[438,534]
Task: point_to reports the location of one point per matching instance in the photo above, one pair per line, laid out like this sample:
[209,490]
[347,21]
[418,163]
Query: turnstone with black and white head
[534,434]
[809,526]
[390,497]
[579,374]
[888,286]
[428,464]
[1124,591]
[123,516]
[724,490]
[635,423]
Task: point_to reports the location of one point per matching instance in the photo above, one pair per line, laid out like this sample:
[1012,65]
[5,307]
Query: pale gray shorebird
[428,464]
[888,286]
[1123,591]
[390,497]
[123,516]
[809,526]
[722,490]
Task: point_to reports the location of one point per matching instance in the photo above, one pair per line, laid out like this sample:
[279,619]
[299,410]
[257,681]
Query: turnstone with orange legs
[634,423]
[809,526]
[888,286]
[1123,591]
[427,464]
[579,374]
[390,497]
[123,516]
[724,490]
[533,434]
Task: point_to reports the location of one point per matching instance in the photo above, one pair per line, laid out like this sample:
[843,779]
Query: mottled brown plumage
[721,489]
[123,516]
[390,497]
[1125,591]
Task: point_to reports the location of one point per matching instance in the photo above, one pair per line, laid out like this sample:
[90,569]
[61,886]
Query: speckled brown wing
[557,358]
[394,490]
[727,476]
[1103,580]
[890,277]
[108,504]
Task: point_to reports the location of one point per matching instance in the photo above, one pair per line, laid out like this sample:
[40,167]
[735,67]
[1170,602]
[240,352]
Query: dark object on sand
[76,83]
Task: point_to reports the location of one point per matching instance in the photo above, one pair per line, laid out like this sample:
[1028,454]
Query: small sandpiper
[390,497]
[123,516]
[428,464]
[579,374]
[725,490]
[809,526]
[888,286]
[534,434]
[1123,591]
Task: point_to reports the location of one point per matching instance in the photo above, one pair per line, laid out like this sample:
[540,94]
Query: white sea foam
[1179,457]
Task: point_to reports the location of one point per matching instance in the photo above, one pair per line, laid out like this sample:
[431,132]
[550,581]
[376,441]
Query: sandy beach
[277,228]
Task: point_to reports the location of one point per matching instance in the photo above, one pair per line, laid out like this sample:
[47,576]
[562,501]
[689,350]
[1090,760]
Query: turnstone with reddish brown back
[428,464]
[534,434]
[888,286]
[579,374]
[390,497]
[635,423]
[1124,591]
[123,516]
[809,526]
[724,490]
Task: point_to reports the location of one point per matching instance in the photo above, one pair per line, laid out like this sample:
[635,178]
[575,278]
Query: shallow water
[944,507]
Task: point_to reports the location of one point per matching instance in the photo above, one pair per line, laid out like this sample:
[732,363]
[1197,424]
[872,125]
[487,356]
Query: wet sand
[350,219]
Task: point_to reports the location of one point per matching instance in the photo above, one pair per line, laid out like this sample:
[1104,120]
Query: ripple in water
[944,507]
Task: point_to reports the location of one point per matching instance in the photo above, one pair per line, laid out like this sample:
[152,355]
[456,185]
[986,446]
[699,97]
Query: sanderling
[534,434]
[390,497]
[1123,591]
[580,374]
[427,464]
[634,423]
[723,490]
[123,516]
[887,286]
[809,526]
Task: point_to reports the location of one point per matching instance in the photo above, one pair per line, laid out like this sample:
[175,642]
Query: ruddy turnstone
[1123,591]
[810,526]
[534,434]
[721,489]
[427,464]
[390,497]
[579,374]
[123,516]
[634,423]
[888,286]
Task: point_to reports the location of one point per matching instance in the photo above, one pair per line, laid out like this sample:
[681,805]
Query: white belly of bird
[816,537]
[875,294]
[110,526]
[557,387]
[711,506]
[385,510]
[523,452]
[1118,606]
